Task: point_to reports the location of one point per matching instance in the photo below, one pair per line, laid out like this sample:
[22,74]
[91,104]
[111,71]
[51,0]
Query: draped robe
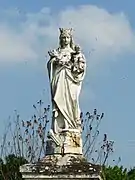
[65,90]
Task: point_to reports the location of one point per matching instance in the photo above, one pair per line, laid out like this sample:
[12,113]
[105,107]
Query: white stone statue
[66,69]
[64,158]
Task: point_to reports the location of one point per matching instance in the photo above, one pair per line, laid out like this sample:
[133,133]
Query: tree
[114,173]
[95,151]
[27,139]
[131,174]
[9,170]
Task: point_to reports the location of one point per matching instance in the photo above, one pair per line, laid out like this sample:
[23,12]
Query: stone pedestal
[63,160]
[62,177]
[58,167]
[67,142]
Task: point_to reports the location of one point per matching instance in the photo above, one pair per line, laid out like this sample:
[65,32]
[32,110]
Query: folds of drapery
[65,90]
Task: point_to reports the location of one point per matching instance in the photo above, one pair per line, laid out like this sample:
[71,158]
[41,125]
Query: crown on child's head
[64,32]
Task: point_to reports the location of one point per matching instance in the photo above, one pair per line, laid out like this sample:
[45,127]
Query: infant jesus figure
[78,61]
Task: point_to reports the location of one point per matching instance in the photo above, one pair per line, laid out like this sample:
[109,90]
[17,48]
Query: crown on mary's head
[66,31]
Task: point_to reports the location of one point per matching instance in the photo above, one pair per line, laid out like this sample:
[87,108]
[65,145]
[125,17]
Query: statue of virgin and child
[66,69]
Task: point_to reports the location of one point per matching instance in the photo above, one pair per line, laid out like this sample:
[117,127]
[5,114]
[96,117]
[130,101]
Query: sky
[106,32]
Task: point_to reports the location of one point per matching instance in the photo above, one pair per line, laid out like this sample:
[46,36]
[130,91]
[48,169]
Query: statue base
[58,167]
[53,149]
[67,142]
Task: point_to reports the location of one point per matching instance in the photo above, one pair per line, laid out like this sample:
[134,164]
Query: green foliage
[115,173]
[131,174]
[9,170]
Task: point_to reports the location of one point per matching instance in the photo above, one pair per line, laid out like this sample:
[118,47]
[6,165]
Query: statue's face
[65,40]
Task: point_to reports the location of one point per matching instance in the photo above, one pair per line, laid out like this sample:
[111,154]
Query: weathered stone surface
[67,167]
[72,144]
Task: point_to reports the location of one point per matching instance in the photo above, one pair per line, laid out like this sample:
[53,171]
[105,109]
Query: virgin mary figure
[65,84]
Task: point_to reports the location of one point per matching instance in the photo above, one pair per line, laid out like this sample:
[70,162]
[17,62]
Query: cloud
[98,29]
[13,47]
[28,36]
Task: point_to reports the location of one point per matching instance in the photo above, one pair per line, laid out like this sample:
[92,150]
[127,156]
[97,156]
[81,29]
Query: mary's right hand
[53,53]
